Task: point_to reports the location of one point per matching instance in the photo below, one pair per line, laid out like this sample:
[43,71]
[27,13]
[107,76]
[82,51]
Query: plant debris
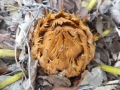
[63,44]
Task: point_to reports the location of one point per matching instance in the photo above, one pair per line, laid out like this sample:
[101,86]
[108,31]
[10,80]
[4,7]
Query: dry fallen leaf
[39,1]
[115,13]
[47,87]
[77,83]
[93,78]
[53,4]
[3,70]
[63,88]
[105,6]
[108,87]
[5,46]
[29,84]
[5,37]
[13,27]
[115,45]
[3,67]
[57,80]
[99,25]
[83,13]
[104,56]
[69,5]
[117,64]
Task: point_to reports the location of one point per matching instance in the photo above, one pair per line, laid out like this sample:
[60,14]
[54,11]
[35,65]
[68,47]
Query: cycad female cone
[62,44]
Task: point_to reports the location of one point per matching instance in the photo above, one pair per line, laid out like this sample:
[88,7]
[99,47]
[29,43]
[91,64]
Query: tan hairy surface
[62,44]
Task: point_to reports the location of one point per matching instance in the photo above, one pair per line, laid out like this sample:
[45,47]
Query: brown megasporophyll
[62,44]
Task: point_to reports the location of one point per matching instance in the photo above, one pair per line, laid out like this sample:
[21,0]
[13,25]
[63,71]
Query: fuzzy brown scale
[62,44]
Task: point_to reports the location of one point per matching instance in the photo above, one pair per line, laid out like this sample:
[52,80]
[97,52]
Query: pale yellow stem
[11,80]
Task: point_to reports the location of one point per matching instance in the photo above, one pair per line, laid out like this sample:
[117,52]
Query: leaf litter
[22,16]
